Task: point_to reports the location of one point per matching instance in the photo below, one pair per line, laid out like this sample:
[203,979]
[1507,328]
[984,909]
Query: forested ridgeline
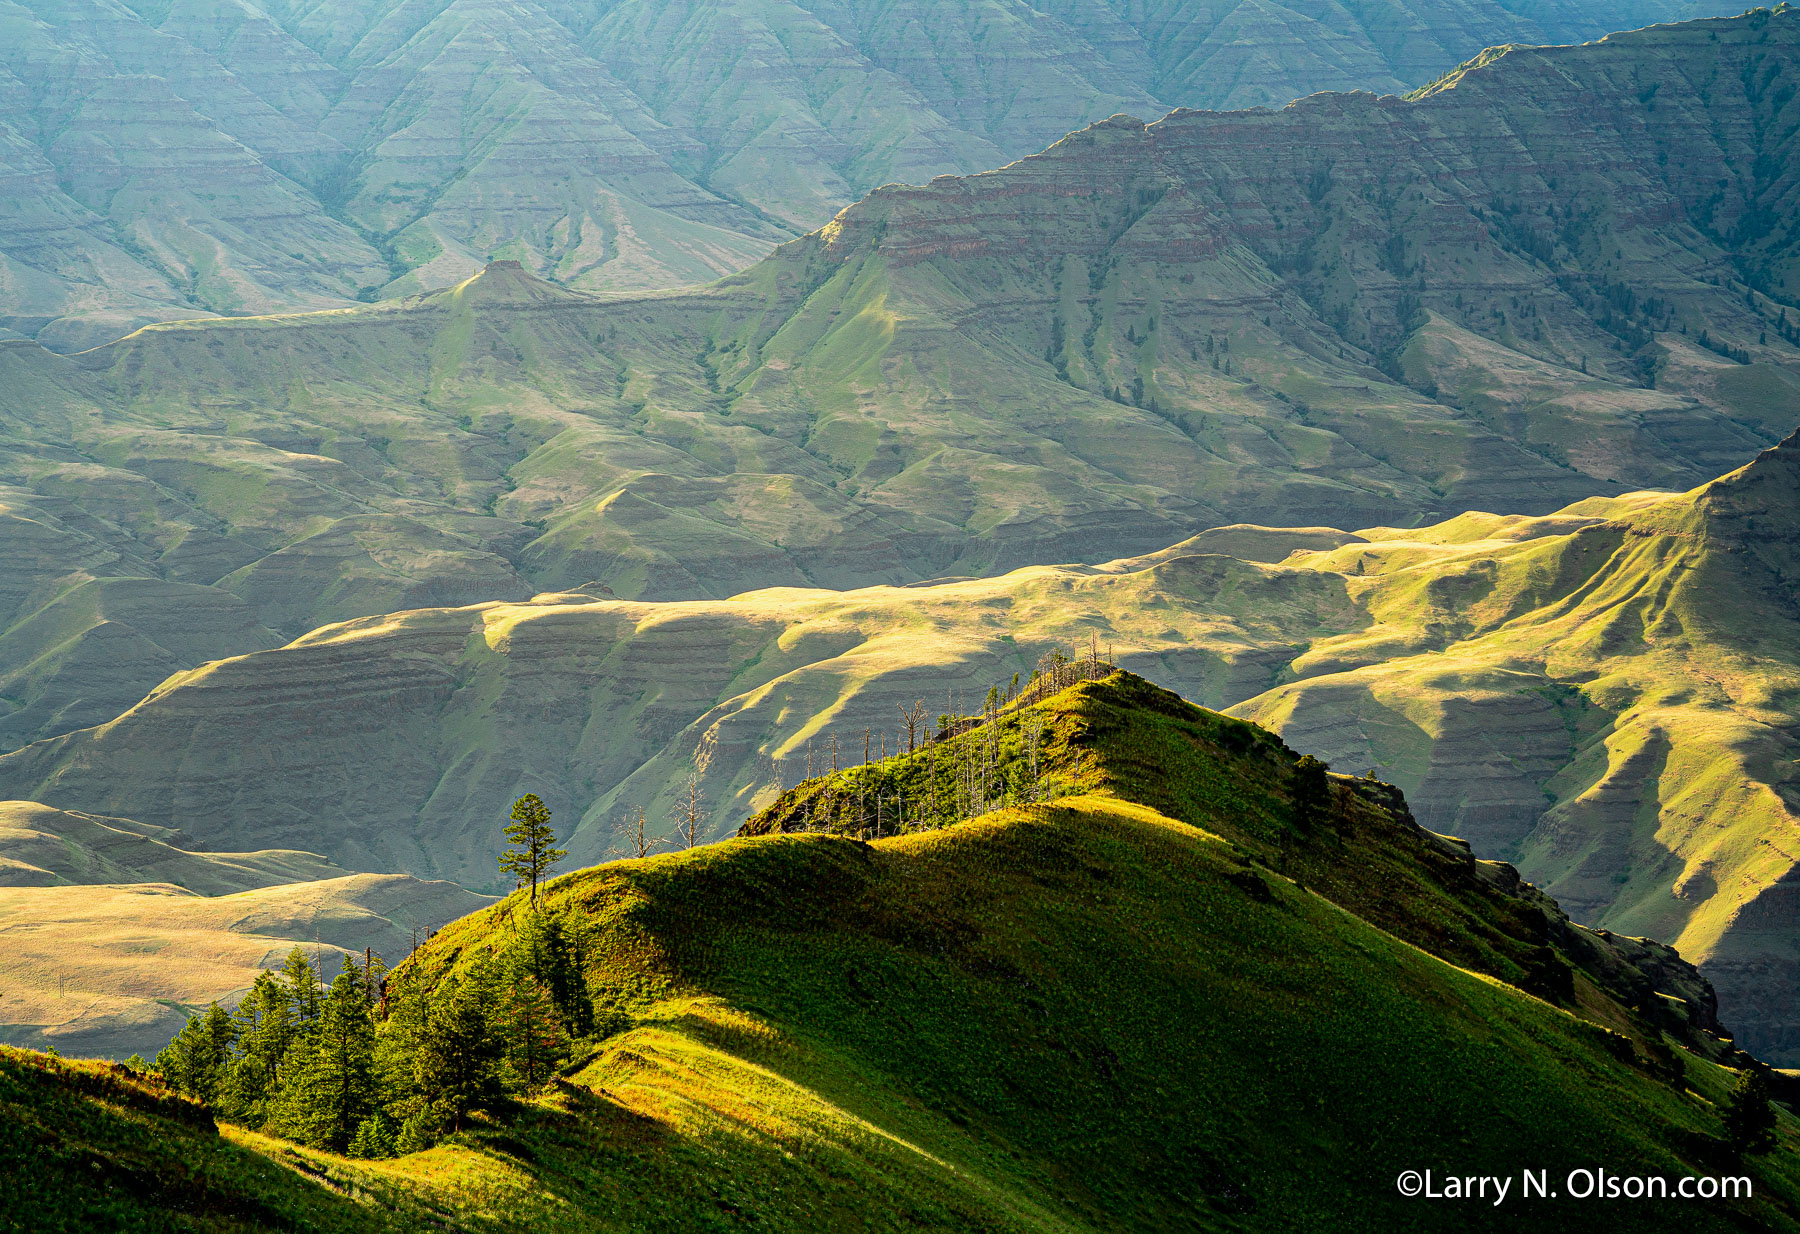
[1011,752]
[380,1063]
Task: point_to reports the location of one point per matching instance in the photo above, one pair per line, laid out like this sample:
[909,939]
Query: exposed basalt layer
[103,643]
[179,160]
[1352,311]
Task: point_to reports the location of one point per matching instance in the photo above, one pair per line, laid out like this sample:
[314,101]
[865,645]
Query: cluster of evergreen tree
[377,1065]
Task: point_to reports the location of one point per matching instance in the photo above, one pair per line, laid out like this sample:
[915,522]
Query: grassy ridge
[1354,841]
[1079,1015]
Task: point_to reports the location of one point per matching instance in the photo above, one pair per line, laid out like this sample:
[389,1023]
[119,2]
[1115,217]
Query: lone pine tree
[532,852]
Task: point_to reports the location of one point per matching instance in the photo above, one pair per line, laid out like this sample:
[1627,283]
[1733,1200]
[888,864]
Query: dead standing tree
[1031,737]
[690,814]
[913,718]
[638,843]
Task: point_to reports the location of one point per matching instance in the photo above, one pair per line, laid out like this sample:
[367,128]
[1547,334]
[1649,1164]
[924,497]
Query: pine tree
[197,1059]
[568,979]
[305,993]
[551,949]
[374,1137]
[266,1031]
[454,1065]
[333,1090]
[1749,1118]
[1311,792]
[396,1045]
[531,1026]
[534,851]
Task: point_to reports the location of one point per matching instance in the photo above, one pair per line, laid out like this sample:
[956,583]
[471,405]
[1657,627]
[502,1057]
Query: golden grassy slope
[108,970]
[1603,695]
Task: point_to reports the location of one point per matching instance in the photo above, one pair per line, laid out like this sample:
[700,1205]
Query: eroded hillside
[1602,695]
[1349,312]
[183,160]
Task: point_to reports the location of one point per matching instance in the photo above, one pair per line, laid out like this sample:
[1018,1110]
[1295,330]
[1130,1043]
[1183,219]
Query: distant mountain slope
[1085,1014]
[44,847]
[184,159]
[114,933]
[1601,695]
[1349,312]
[1608,702]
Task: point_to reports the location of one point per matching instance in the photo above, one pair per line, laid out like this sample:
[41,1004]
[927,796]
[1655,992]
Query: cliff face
[185,160]
[1654,160]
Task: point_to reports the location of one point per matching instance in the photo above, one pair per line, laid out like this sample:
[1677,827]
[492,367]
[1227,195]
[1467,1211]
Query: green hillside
[1082,1014]
[1607,703]
[1599,696]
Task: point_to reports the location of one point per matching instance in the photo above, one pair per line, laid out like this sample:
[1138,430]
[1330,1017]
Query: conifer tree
[197,1059]
[305,993]
[457,1053]
[1749,1118]
[551,949]
[533,850]
[374,1137]
[333,1089]
[396,1046]
[1311,791]
[266,1031]
[531,1027]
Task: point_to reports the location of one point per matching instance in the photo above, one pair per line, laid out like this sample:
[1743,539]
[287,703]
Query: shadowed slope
[1599,696]
[1084,1015]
